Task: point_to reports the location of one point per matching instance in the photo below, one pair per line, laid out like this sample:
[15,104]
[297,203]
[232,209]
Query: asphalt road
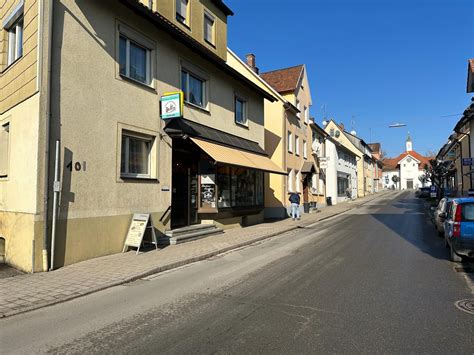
[374,280]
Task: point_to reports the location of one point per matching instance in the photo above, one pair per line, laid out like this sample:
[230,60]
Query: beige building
[288,141]
[90,75]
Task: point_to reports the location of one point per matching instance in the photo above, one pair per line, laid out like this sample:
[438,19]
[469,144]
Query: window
[15,40]
[331,132]
[290,142]
[342,185]
[297,145]
[305,150]
[240,111]
[467,212]
[306,115]
[223,186]
[134,60]
[209,28]
[314,183]
[290,180]
[193,88]
[298,107]
[135,156]
[182,11]
[4,148]
[298,181]
[239,187]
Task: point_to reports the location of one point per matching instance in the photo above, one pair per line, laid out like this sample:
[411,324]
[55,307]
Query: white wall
[390,183]
[338,164]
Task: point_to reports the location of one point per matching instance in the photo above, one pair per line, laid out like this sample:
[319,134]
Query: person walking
[295,205]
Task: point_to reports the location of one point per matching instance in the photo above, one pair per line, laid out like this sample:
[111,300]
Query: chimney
[251,62]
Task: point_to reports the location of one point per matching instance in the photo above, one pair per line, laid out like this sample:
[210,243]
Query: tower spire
[409,143]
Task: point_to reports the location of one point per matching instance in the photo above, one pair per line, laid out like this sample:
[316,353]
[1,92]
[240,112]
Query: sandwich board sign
[171,105]
[140,223]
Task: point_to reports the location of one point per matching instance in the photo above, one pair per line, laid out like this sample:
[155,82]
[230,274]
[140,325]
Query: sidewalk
[31,291]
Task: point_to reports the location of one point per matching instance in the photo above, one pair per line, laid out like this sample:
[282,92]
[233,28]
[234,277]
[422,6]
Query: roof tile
[284,80]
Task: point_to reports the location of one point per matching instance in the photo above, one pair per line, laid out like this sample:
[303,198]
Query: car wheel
[454,257]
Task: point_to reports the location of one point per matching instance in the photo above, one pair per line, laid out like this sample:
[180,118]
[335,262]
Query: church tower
[409,143]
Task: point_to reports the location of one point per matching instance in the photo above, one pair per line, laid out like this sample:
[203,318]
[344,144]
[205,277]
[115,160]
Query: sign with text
[467,161]
[140,223]
[323,163]
[171,105]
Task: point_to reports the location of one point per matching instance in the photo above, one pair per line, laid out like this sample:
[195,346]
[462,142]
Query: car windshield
[468,212]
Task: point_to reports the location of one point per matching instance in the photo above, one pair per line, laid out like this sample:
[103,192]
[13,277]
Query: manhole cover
[466,306]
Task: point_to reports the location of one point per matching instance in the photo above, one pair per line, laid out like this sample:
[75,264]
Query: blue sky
[381,61]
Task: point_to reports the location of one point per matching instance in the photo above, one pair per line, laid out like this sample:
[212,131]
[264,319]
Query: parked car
[443,206]
[423,192]
[459,228]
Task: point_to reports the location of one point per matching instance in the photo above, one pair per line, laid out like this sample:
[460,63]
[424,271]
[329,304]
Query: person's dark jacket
[295,198]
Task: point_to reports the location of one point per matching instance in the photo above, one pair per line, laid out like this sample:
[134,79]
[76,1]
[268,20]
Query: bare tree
[395,179]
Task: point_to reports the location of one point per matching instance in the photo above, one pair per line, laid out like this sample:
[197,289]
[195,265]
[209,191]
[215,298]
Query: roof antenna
[325,121]
[353,122]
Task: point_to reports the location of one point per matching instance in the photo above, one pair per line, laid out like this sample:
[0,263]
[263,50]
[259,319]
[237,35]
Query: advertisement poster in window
[208,191]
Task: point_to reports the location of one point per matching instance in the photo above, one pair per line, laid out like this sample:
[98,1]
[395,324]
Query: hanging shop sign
[171,105]
[136,232]
[323,162]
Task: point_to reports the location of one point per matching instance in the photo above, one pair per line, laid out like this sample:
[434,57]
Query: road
[373,280]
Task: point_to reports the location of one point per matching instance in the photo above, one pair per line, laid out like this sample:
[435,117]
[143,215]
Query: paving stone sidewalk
[31,291]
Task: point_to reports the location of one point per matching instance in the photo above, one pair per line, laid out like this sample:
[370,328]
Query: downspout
[47,134]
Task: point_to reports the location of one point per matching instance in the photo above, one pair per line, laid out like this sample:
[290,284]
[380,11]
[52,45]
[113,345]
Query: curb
[177,264]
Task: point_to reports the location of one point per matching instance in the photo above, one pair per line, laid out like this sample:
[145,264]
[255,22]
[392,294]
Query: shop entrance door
[184,187]
[409,184]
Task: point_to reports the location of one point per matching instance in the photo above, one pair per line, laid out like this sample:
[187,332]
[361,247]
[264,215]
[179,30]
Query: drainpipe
[56,189]
[47,132]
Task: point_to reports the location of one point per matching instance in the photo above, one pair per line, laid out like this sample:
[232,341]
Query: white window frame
[306,115]
[290,180]
[133,135]
[5,127]
[140,40]
[209,16]
[127,61]
[186,92]
[297,145]
[298,105]
[244,111]
[290,142]
[305,149]
[298,181]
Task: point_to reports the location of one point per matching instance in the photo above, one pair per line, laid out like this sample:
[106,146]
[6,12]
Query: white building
[408,167]
[341,172]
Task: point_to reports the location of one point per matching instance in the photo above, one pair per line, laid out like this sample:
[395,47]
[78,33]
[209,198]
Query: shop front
[216,177]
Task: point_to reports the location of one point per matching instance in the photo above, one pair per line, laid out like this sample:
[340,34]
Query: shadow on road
[410,222]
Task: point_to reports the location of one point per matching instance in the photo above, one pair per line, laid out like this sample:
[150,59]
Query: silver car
[442,207]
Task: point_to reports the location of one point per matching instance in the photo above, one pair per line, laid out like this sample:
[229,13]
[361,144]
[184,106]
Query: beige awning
[234,156]
[307,167]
